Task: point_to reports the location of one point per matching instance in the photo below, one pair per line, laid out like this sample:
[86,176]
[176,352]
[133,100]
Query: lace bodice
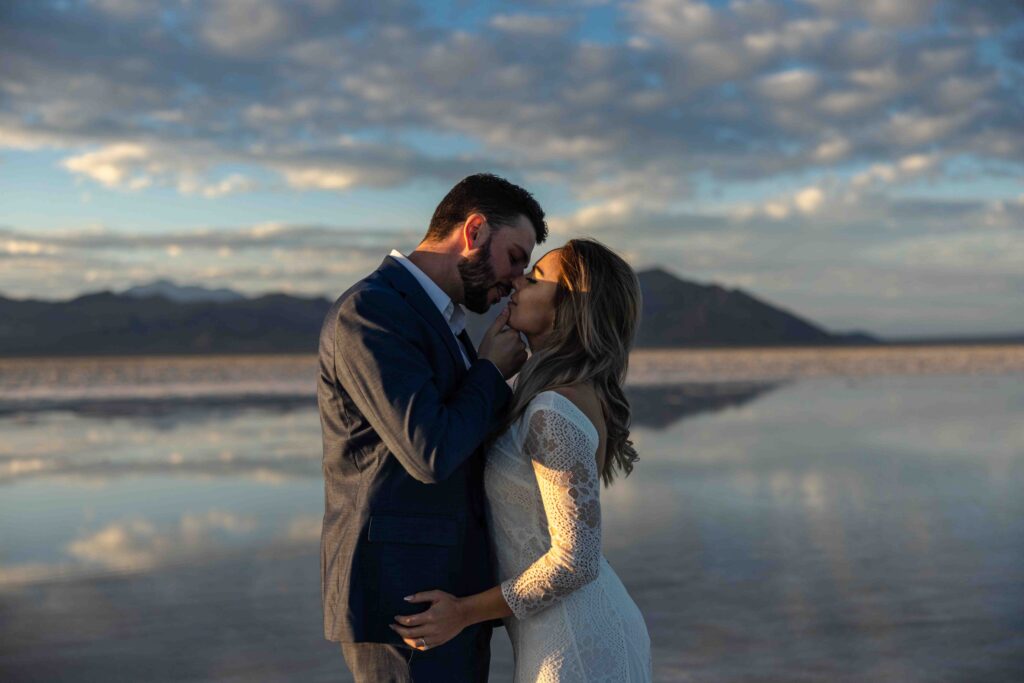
[573,619]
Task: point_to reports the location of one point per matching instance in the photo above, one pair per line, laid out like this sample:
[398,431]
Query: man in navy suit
[405,404]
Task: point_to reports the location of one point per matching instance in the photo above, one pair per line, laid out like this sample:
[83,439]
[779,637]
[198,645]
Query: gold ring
[423,644]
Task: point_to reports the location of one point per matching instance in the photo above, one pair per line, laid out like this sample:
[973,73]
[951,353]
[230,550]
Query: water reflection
[816,530]
[659,407]
[207,438]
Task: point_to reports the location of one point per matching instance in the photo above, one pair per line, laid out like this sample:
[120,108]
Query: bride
[567,614]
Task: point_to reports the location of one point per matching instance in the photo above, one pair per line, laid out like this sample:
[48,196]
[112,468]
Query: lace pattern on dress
[565,465]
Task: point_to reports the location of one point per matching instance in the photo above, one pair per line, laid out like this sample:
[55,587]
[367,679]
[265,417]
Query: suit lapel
[403,281]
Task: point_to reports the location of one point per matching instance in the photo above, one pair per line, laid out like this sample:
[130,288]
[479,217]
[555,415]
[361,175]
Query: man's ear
[474,231]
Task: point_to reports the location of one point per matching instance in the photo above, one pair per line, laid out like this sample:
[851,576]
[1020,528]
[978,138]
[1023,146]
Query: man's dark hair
[497,199]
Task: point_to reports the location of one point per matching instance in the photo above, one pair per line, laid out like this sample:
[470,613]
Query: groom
[405,404]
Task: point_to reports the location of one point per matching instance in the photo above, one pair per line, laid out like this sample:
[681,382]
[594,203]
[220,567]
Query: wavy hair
[597,310]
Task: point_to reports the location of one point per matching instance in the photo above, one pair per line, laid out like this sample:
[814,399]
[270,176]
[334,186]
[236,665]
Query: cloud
[272,256]
[833,148]
[998,251]
[794,84]
[235,182]
[113,165]
[530,25]
[244,27]
[663,96]
[759,121]
[903,169]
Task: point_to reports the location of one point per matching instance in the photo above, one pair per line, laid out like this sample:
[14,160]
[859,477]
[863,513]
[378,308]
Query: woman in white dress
[567,614]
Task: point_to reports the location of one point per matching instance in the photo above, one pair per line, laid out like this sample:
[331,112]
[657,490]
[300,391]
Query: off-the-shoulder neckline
[579,411]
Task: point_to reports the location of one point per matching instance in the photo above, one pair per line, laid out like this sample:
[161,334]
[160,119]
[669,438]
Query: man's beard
[477,278]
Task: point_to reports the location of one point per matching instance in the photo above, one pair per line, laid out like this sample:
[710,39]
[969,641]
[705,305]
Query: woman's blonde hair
[597,310]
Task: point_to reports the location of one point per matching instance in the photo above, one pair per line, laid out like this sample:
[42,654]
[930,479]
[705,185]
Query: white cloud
[998,251]
[803,202]
[847,103]
[20,247]
[902,13]
[680,21]
[127,9]
[912,129]
[244,27]
[322,178]
[903,169]
[235,182]
[14,136]
[884,77]
[530,25]
[809,199]
[111,166]
[791,85]
[834,148]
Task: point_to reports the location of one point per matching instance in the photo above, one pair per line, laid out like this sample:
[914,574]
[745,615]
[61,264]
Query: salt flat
[154,378]
[670,366]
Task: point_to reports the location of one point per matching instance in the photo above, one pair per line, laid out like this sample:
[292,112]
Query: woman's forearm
[484,606]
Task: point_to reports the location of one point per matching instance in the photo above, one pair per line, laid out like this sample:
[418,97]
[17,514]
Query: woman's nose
[519,281]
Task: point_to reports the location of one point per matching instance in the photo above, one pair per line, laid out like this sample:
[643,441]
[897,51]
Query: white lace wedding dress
[573,619]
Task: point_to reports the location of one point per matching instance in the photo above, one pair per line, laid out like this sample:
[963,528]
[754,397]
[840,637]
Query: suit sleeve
[390,379]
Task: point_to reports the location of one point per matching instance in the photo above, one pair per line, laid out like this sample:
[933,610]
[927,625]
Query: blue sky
[859,163]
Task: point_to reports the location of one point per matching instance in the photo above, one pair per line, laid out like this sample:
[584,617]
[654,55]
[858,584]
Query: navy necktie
[467,343]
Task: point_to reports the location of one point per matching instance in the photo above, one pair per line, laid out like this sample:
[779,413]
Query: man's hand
[502,346]
[439,624]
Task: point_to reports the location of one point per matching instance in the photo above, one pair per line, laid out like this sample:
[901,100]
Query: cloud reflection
[139,544]
[265,439]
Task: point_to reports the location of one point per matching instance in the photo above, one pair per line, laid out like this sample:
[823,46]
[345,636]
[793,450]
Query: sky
[860,164]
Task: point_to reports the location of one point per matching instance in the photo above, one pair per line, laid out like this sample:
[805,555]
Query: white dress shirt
[453,313]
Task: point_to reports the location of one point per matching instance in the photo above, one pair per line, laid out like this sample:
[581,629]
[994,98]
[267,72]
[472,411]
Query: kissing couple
[454,503]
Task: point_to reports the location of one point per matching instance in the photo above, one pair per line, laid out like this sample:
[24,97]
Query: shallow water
[824,529]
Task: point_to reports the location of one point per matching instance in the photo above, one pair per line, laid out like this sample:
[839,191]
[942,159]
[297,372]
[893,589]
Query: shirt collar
[452,312]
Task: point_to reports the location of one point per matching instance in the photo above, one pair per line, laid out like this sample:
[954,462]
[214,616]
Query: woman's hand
[443,621]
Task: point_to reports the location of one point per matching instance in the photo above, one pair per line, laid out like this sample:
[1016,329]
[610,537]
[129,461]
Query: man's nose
[518,281]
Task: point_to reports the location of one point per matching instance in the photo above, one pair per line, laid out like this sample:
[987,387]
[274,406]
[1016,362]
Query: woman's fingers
[423,643]
[414,619]
[425,596]
[414,632]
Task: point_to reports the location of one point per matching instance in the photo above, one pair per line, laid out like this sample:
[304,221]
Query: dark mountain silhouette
[678,313]
[148,320]
[116,324]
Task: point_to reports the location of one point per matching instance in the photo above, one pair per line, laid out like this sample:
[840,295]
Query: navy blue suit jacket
[402,420]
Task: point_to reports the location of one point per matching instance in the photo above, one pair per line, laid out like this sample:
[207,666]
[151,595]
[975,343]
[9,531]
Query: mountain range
[165,318]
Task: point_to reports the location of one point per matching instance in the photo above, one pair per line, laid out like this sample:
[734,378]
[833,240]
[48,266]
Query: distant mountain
[680,313]
[182,294]
[165,318]
[116,324]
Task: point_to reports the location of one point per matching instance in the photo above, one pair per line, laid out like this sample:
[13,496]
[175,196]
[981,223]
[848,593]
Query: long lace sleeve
[565,465]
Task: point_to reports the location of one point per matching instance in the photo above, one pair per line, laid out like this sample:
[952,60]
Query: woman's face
[532,306]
